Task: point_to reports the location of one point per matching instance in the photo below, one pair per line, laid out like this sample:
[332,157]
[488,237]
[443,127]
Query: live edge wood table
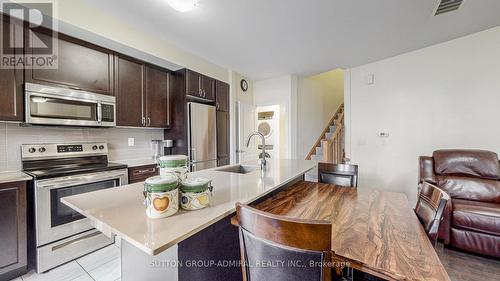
[377,232]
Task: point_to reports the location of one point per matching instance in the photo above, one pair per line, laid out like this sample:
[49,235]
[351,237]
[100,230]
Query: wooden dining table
[375,231]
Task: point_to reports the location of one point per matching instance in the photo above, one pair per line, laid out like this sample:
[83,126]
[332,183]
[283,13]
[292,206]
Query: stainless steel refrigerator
[202,136]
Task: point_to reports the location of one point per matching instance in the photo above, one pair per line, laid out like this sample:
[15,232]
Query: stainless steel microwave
[46,105]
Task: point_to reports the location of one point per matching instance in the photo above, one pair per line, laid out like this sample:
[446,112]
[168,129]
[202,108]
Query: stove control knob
[101,147]
[32,150]
[41,149]
[94,147]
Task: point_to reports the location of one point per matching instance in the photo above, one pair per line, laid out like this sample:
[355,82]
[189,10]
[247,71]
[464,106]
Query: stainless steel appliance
[46,105]
[159,148]
[61,170]
[202,136]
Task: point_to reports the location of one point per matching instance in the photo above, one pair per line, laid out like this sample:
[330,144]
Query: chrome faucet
[263,160]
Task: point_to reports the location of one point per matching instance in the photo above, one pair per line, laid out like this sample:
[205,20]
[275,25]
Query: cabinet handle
[204,93]
[217,106]
[143,121]
[150,170]
[149,121]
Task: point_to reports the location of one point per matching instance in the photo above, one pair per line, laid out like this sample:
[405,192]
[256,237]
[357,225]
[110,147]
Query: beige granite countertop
[120,210]
[136,162]
[13,177]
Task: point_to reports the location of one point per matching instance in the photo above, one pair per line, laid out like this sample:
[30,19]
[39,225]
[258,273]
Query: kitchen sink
[239,169]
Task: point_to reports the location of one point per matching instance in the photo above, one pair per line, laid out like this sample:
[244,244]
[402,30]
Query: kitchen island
[170,248]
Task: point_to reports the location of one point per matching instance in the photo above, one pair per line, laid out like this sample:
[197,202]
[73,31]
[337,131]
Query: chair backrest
[338,174]
[293,249]
[429,210]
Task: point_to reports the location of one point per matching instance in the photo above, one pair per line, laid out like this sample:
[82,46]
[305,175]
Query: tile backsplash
[13,135]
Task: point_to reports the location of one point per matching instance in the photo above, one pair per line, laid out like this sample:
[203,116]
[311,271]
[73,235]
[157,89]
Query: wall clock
[244,85]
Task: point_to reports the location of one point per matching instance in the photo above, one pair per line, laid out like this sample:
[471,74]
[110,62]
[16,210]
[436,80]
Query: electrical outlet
[131,141]
[384,134]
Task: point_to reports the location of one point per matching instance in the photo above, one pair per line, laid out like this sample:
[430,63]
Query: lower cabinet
[141,173]
[222,161]
[13,230]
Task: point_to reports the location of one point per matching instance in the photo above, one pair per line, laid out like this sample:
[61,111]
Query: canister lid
[172,161]
[161,183]
[195,185]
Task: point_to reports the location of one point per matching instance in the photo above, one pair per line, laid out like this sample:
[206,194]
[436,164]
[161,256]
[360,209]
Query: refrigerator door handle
[193,155]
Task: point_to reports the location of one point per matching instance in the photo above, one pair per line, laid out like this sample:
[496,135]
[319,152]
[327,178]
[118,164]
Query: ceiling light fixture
[183,5]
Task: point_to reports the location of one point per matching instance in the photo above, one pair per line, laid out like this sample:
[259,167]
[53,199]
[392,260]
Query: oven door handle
[79,181]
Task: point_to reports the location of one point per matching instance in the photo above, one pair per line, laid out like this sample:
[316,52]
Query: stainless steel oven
[46,105]
[61,170]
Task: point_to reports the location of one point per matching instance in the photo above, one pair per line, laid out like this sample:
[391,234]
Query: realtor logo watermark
[28,37]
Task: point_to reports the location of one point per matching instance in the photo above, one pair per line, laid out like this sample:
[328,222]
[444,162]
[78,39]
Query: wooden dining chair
[338,174]
[283,249]
[429,210]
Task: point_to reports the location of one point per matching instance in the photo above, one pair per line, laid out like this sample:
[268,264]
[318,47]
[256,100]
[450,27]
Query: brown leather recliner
[471,219]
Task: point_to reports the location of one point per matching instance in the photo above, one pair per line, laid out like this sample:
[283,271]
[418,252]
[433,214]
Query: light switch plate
[131,141]
[370,79]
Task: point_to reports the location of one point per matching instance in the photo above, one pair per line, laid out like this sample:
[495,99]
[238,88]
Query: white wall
[280,91]
[318,98]
[237,94]
[443,96]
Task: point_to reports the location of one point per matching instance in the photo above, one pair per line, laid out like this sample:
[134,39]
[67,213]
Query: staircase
[330,145]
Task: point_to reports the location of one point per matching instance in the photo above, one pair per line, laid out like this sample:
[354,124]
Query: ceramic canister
[195,193]
[174,164]
[162,196]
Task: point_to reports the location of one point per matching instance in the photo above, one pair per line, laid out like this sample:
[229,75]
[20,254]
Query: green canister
[195,193]
[162,196]
[174,164]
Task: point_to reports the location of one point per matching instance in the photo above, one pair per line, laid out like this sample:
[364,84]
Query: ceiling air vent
[445,6]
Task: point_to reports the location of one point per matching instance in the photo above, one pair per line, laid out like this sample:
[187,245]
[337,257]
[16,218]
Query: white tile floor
[101,265]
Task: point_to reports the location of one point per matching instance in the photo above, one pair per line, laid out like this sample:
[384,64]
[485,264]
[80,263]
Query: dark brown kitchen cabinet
[157,97]
[222,96]
[13,230]
[141,173]
[193,81]
[222,134]
[222,161]
[142,94]
[11,81]
[80,65]
[199,86]
[129,84]
[208,88]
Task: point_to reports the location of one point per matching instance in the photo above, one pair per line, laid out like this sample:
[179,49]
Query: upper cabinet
[11,82]
[200,86]
[222,96]
[129,84]
[81,65]
[142,94]
[158,97]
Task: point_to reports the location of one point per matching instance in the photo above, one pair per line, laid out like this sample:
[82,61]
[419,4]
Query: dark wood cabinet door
[13,230]
[208,88]
[11,83]
[222,95]
[81,65]
[141,173]
[193,83]
[222,161]
[157,98]
[222,134]
[129,92]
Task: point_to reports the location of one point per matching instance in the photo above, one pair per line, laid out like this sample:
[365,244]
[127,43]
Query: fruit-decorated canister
[162,196]
[195,193]
[174,164]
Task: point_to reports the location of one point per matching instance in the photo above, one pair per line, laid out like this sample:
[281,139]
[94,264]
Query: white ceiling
[268,38]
